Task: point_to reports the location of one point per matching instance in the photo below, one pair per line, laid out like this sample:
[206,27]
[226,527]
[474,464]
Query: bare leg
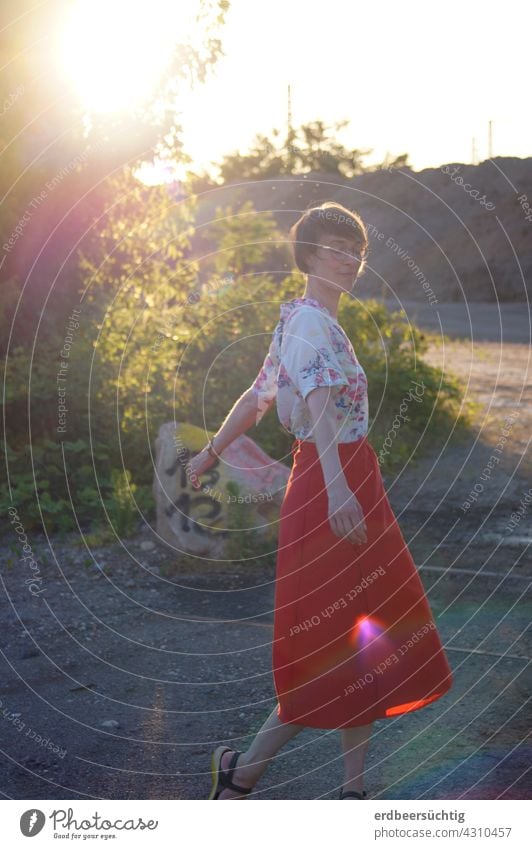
[254,762]
[355,742]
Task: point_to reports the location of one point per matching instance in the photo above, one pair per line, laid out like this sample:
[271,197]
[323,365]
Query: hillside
[431,239]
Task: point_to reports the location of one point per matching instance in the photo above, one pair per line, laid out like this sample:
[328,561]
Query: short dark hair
[330,218]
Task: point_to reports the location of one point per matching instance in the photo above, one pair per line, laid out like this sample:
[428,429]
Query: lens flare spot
[365,629]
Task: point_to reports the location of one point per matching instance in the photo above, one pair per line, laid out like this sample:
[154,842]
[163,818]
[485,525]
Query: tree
[309,148]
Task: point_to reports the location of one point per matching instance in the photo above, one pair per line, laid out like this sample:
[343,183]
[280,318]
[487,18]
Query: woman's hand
[197,466]
[346,517]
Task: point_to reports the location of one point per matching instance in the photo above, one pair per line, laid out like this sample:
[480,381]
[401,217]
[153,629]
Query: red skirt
[354,639]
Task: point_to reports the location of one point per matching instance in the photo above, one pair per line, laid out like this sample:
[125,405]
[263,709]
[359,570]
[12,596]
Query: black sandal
[222,778]
[352,794]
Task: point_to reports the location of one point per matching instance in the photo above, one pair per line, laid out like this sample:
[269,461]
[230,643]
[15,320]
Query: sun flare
[113,52]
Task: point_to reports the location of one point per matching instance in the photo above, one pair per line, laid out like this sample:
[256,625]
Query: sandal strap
[226,775]
[352,794]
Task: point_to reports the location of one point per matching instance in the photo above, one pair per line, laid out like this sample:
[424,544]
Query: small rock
[81,687]
[147,545]
[109,723]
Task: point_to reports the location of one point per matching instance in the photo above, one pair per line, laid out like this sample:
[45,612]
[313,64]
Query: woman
[354,639]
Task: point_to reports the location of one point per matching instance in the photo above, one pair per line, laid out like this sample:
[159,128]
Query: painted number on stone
[187,504]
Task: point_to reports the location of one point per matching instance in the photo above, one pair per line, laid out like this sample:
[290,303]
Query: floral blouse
[309,349]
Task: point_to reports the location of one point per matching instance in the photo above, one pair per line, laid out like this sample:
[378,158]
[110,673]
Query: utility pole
[290,134]
[289,110]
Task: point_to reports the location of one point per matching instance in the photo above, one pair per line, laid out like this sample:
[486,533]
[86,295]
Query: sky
[418,77]
[415,77]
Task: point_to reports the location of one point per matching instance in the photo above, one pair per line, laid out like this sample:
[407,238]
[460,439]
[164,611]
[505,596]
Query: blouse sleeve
[308,355]
[265,384]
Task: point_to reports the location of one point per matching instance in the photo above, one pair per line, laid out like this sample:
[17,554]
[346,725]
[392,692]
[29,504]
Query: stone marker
[196,520]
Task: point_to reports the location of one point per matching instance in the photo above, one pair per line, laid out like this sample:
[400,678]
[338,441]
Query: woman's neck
[328,297]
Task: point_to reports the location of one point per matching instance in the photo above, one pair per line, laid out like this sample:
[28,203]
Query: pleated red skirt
[354,638]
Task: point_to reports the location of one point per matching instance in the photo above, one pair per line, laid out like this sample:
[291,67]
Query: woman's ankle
[251,768]
[354,784]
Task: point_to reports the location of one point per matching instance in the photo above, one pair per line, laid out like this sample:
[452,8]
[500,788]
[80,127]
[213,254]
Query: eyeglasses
[325,251]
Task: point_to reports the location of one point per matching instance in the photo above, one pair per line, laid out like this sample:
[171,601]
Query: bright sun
[114,51]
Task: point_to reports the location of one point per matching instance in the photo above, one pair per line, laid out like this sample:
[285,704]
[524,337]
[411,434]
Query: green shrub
[244,541]
[121,509]
[145,347]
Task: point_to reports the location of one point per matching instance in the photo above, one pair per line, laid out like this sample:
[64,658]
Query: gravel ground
[175,665]
[129,666]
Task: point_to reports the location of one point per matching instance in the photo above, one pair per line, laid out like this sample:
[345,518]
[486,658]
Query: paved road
[482,322]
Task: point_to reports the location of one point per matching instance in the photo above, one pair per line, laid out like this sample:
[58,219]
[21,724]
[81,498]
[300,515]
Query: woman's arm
[345,512]
[239,419]
[320,405]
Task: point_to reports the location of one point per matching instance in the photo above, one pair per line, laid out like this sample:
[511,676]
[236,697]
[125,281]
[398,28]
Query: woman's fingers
[197,466]
[360,529]
[194,470]
[359,522]
[356,536]
[350,523]
[352,534]
[361,536]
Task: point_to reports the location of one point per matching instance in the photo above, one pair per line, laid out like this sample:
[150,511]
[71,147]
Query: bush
[244,541]
[57,491]
[142,353]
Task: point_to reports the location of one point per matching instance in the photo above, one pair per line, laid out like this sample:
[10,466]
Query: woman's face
[337,261]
